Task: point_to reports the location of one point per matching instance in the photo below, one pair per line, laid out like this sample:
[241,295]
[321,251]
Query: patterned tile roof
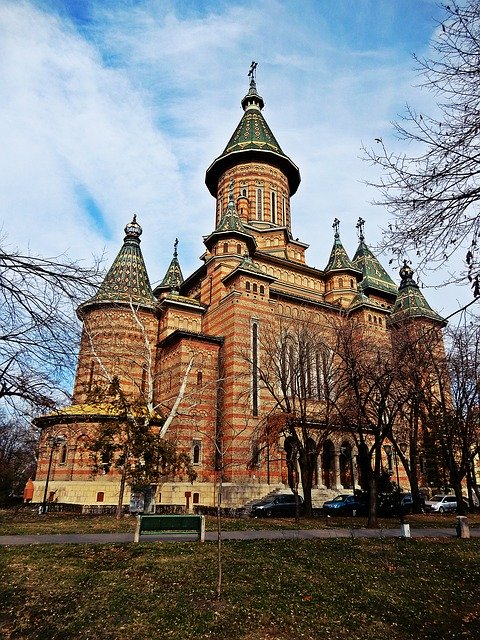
[127,279]
[231,223]
[254,140]
[252,131]
[374,275]
[339,260]
[410,302]
[173,279]
[230,220]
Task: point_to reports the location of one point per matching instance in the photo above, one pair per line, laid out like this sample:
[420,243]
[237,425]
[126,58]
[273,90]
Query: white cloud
[136,104]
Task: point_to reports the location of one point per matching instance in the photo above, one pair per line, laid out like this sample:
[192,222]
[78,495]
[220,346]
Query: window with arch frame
[196,452]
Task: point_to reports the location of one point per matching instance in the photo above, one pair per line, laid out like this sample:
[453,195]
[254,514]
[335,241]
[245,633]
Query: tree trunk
[219,536]
[121,493]
[307,470]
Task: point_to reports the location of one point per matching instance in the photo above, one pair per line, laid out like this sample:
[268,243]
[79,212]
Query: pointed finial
[360,229]
[252,72]
[336,226]
[133,229]
[175,245]
[406,274]
[252,99]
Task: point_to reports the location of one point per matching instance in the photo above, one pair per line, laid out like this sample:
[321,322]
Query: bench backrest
[170,523]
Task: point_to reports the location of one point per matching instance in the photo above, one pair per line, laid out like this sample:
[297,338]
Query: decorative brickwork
[193,343]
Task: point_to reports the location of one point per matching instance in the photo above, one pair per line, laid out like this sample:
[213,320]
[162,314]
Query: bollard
[463,529]
[405,530]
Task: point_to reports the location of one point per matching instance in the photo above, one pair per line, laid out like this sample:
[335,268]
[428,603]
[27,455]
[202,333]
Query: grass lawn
[283,590]
[28,522]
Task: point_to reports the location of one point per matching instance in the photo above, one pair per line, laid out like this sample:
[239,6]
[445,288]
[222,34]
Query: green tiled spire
[410,301]
[230,224]
[374,275]
[252,131]
[339,260]
[230,220]
[173,278]
[252,140]
[127,279]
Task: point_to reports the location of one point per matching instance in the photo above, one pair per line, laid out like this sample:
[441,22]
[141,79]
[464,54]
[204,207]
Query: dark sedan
[345,505]
[276,506]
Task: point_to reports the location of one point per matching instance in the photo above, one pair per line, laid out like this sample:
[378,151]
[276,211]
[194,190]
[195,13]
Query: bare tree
[133,441]
[417,349]
[367,400]
[451,417]
[295,368]
[38,330]
[18,442]
[434,195]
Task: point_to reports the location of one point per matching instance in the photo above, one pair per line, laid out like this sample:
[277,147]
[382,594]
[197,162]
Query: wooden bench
[156,524]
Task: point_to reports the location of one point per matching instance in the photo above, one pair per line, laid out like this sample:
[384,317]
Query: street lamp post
[54,442]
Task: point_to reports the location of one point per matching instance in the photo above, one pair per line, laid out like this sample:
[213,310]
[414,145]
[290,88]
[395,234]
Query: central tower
[264,177]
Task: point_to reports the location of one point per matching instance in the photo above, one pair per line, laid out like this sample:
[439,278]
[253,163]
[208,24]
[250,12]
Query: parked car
[441,504]
[281,505]
[407,502]
[345,505]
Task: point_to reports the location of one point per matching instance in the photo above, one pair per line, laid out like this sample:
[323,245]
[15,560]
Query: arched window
[259,204]
[262,290]
[340,283]
[244,192]
[351,283]
[196,498]
[369,318]
[273,207]
[199,378]
[225,247]
[239,249]
[196,451]
[254,287]
[100,496]
[63,454]
[247,286]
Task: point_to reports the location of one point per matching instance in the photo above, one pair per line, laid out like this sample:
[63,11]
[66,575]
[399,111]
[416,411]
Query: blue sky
[115,107]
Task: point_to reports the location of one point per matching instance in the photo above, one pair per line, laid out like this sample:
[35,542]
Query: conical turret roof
[410,301]
[230,224]
[339,260]
[127,279]
[252,140]
[374,275]
[173,278]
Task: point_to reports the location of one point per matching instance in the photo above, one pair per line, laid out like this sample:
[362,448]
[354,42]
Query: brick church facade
[188,348]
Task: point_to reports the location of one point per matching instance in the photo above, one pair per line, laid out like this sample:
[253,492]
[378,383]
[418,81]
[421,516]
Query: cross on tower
[336,225]
[252,72]
[359,227]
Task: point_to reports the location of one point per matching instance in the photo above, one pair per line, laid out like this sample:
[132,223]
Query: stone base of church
[102,492]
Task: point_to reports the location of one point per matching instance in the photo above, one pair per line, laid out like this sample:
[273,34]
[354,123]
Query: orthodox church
[186,351]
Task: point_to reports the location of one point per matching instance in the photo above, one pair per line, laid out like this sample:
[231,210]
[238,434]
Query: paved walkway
[284,534]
